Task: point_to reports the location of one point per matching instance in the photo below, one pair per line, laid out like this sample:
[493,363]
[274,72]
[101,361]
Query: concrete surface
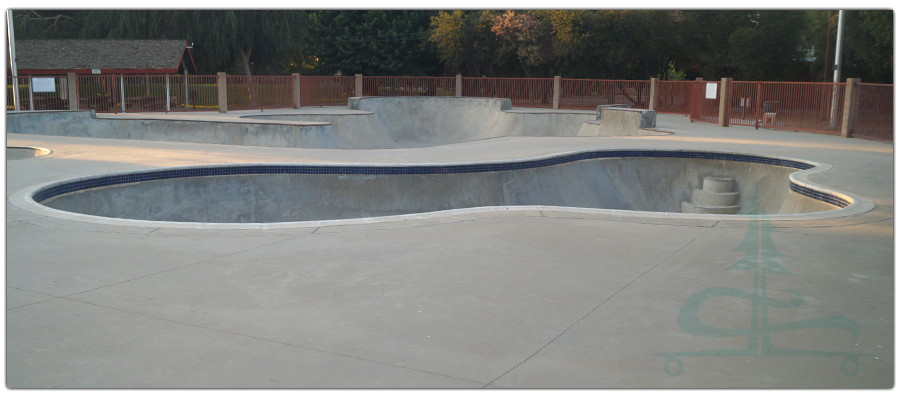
[21,153]
[506,299]
[367,123]
[643,184]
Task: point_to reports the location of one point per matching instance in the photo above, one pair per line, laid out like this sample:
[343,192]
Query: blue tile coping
[86,183]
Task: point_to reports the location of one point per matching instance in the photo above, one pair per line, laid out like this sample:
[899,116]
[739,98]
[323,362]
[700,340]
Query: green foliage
[776,45]
[373,42]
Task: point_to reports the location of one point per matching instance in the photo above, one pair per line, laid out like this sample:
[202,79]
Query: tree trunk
[245,59]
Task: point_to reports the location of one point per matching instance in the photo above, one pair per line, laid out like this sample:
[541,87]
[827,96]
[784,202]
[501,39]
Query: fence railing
[38,93]
[409,86]
[874,112]
[674,97]
[816,107]
[522,92]
[802,106]
[326,90]
[259,92]
[705,101]
[588,94]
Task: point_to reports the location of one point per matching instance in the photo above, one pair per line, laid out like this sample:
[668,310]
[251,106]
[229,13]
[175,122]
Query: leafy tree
[373,42]
[869,45]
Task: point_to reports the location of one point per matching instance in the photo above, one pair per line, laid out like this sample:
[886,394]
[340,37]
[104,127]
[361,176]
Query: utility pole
[837,68]
[827,48]
[12,58]
[838,47]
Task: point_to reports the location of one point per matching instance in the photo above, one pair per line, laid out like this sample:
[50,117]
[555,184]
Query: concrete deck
[516,299]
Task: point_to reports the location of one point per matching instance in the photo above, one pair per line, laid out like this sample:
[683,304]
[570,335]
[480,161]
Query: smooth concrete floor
[494,299]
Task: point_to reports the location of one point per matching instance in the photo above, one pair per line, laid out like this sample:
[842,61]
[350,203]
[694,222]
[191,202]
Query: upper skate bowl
[367,123]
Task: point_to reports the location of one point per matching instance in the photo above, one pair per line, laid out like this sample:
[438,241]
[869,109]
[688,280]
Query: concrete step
[718,184]
[692,208]
[714,199]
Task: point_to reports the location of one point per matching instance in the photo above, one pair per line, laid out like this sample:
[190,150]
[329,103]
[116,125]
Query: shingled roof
[111,56]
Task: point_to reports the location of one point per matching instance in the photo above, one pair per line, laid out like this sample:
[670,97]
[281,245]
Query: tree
[47,24]
[870,45]
[373,42]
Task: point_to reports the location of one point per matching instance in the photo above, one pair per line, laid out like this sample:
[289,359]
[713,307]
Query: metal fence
[259,92]
[38,93]
[523,92]
[816,107]
[874,112]
[588,94]
[802,106]
[674,97]
[326,90]
[409,86]
[705,101]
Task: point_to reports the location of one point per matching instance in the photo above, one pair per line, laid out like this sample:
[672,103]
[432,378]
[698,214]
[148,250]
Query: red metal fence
[802,106]
[705,101]
[259,92]
[326,90]
[99,93]
[588,94]
[523,92]
[674,97]
[409,86]
[816,107]
[874,112]
[38,93]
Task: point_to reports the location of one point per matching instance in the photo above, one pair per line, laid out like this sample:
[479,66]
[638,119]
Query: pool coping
[46,151]
[24,198]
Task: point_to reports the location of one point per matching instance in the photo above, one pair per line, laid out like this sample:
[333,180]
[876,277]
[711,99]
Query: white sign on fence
[711,90]
[43,85]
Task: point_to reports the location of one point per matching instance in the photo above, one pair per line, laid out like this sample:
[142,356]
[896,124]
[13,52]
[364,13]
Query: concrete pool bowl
[22,153]
[651,183]
[365,123]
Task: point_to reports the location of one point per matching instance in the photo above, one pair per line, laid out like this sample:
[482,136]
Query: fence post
[556,92]
[168,95]
[72,79]
[723,102]
[296,77]
[654,93]
[223,93]
[459,85]
[122,90]
[30,93]
[849,100]
[359,90]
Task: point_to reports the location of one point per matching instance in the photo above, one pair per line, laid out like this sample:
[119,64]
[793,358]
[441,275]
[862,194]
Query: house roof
[108,55]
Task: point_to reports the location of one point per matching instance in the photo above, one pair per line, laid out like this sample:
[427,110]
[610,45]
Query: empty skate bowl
[401,122]
[21,153]
[367,123]
[654,183]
